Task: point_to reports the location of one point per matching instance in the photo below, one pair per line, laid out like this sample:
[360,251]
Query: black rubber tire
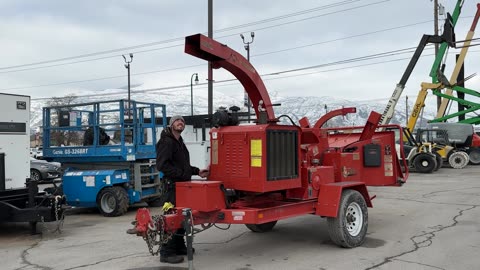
[338,228]
[35,175]
[474,156]
[112,201]
[439,160]
[261,228]
[424,163]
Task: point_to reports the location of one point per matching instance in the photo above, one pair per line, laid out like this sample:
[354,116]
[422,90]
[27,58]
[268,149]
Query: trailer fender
[330,195]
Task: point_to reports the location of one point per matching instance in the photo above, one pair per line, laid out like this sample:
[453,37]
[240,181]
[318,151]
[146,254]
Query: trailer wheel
[112,201]
[260,228]
[474,156]
[349,228]
[439,160]
[458,160]
[424,163]
[35,175]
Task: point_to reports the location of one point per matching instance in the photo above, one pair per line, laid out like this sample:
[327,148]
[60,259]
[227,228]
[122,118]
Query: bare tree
[60,101]
[60,137]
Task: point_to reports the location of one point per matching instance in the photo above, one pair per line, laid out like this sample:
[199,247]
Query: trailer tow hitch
[155,230]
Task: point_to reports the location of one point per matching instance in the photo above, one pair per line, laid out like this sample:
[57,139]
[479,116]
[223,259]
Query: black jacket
[173,158]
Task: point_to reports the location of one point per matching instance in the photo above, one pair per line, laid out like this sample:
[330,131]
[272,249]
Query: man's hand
[204,173]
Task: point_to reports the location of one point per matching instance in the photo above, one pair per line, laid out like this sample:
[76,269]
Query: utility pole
[247,48]
[435,32]
[127,66]
[210,69]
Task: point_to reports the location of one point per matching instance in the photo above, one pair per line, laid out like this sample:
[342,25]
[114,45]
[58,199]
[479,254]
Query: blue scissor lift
[107,151]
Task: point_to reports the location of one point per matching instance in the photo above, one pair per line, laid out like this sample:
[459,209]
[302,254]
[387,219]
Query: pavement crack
[448,190]
[423,264]
[441,203]
[99,262]
[27,263]
[425,239]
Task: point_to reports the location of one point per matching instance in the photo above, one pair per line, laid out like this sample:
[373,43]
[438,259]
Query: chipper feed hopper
[263,173]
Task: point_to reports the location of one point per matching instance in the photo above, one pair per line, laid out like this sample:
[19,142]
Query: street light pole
[326,111]
[127,66]
[191,91]
[247,48]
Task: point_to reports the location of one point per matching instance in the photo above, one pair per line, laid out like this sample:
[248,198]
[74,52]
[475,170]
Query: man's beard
[179,129]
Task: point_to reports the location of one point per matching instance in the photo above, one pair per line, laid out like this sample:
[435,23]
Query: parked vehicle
[463,138]
[36,152]
[44,170]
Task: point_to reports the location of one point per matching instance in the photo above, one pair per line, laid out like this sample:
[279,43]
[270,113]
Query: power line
[313,17]
[351,60]
[92,54]
[256,55]
[172,88]
[287,15]
[362,58]
[344,38]
[150,72]
[97,79]
[220,30]
[261,54]
[87,60]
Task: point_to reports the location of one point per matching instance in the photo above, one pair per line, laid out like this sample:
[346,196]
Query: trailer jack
[188,225]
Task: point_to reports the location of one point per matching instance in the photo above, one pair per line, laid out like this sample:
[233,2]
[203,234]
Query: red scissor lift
[269,171]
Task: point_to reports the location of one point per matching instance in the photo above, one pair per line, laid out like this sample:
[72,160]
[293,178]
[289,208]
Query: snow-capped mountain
[295,107]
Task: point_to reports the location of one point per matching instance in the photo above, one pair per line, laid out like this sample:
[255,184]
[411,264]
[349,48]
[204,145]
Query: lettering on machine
[76,151]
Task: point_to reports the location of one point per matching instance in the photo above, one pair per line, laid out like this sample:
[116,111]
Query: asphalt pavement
[432,222]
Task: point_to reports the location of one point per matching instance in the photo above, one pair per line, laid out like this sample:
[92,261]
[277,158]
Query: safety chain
[57,208]
[156,235]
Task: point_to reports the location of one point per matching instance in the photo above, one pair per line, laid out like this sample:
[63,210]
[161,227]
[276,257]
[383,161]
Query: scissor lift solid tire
[112,201]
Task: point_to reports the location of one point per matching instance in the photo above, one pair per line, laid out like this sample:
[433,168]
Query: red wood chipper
[270,171]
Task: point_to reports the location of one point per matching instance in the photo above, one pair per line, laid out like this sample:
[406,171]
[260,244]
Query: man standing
[173,159]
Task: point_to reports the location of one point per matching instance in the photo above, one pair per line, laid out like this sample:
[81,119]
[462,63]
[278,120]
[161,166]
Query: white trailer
[20,200]
[14,139]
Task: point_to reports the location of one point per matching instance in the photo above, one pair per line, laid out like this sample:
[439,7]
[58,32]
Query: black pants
[177,242]
[174,245]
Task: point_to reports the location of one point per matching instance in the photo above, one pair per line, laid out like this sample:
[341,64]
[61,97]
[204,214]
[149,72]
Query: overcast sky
[288,35]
